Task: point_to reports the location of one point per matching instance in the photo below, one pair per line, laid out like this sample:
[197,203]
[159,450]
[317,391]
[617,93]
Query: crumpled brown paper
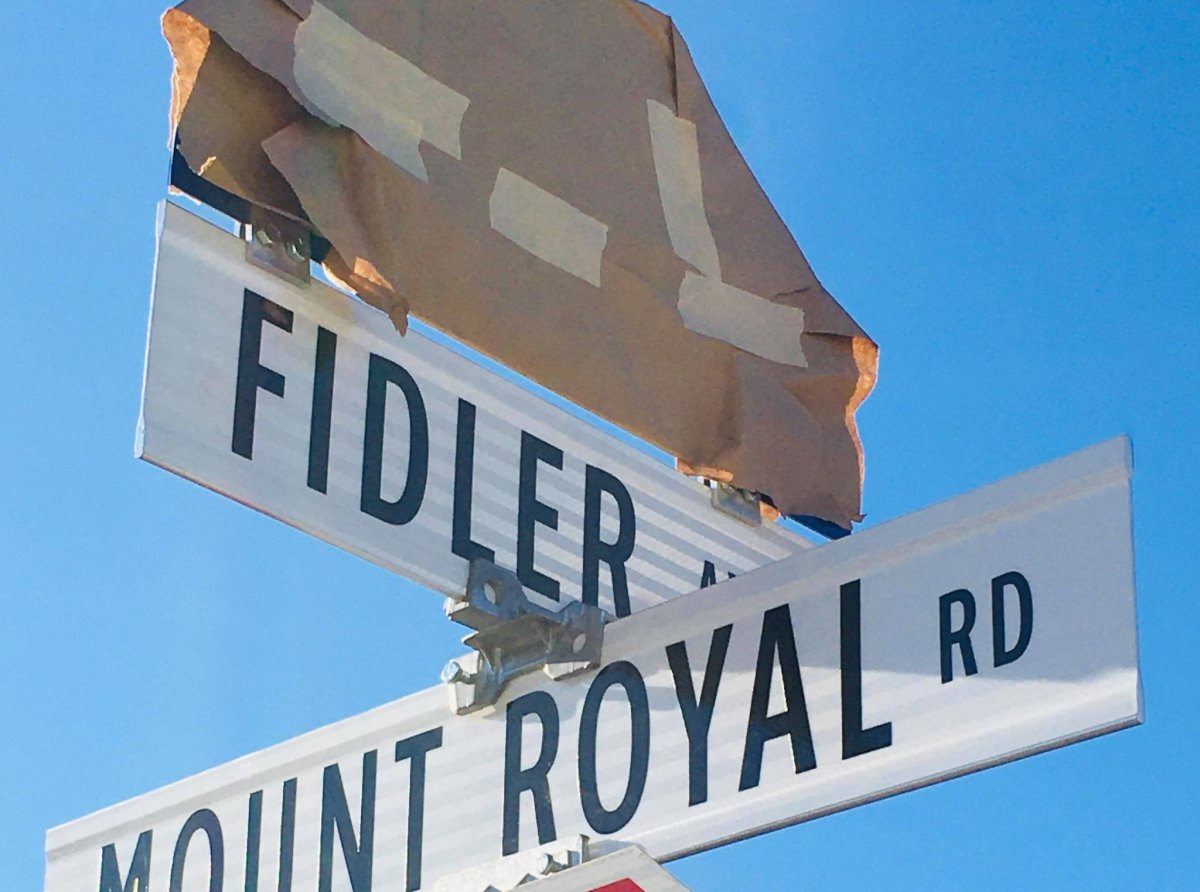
[551,184]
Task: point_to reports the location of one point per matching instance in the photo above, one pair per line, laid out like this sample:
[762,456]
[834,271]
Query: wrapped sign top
[551,184]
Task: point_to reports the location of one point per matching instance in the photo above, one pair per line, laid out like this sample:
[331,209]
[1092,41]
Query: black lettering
[461,543]
[416,748]
[138,879]
[778,637]
[598,817]
[536,778]
[697,715]
[595,550]
[251,374]
[709,575]
[207,821]
[960,637]
[1001,655]
[253,840]
[856,740]
[324,366]
[383,372]
[335,816]
[287,835]
[531,512]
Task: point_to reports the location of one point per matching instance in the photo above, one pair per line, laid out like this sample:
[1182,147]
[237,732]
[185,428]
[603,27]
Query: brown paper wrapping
[550,183]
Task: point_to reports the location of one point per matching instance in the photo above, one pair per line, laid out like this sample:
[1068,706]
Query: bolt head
[454,672]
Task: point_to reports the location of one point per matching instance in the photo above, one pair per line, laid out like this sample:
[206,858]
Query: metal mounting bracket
[279,245]
[520,869]
[186,181]
[515,636]
[746,506]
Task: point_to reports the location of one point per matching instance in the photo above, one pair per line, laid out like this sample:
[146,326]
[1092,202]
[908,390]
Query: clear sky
[1005,195]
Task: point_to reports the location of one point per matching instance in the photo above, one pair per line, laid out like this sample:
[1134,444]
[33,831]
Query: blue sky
[1006,195]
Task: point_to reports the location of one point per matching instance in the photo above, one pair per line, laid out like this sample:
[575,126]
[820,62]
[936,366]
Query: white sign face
[988,628]
[308,405]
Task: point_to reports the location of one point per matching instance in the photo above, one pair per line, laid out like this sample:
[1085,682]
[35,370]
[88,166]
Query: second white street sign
[991,627]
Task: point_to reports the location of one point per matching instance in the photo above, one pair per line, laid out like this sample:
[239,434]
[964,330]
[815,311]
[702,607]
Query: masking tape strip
[387,100]
[548,227]
[677,163]
[742,319]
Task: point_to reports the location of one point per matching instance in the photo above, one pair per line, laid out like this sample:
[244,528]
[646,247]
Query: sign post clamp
[739,503]
[279,245]
[514,636]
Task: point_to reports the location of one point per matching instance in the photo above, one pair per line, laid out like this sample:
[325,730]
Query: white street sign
[307,405]
[988,628]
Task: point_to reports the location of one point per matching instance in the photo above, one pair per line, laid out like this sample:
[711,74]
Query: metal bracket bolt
[547,864]
[456,673]
[279,245]
[519,871]
[746,506]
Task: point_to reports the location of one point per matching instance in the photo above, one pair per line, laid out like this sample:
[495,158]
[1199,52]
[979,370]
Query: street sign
[306,404]
[988,628]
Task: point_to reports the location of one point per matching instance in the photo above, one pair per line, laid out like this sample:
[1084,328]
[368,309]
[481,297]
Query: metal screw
[294,251]
[546,864]
[455,672]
